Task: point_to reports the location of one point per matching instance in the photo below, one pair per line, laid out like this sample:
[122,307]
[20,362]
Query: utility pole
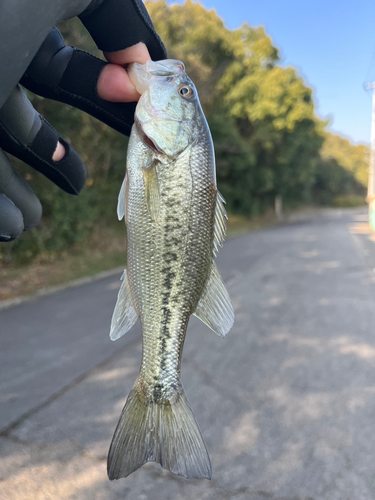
[371,180]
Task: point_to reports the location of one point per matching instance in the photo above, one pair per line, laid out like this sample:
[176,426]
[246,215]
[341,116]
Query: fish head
[168,114]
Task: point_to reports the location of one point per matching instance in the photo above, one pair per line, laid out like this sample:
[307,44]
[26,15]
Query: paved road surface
[286,402]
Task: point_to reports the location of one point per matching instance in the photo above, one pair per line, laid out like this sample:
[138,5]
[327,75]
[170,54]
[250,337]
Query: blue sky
[331,42]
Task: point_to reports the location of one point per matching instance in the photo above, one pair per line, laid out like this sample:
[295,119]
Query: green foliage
[266,135]
[349,201]
[268,140]
[332,181]
[341,173]
[352,158]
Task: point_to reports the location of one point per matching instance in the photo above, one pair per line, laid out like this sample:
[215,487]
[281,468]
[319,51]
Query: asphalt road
[286,402]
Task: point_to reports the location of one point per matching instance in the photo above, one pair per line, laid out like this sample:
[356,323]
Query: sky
[330,42]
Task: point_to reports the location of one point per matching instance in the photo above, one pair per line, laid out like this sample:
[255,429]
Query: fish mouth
[146,139]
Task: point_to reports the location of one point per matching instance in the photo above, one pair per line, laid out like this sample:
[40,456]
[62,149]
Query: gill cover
[164,114]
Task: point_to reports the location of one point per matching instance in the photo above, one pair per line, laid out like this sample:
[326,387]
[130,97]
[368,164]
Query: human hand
[70,75]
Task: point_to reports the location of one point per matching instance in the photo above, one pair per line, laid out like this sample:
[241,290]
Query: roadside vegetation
[269,142]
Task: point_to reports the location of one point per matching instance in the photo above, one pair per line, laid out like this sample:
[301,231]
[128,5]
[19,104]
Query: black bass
[176,222]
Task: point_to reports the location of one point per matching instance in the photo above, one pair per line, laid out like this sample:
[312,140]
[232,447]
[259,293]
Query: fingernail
[59,152]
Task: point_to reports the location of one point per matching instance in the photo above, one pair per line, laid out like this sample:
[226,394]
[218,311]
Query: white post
[279,207]
[371,180]
[371,184]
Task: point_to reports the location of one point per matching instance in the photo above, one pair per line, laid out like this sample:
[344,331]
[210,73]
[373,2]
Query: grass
[106,250]
[349,201]
[238,224]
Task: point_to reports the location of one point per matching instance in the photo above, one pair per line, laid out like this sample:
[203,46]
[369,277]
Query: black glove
[68,75]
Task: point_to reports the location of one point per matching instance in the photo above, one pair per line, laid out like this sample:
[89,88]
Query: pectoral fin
[122,198]
[152,191]
[124,316]
[214,307]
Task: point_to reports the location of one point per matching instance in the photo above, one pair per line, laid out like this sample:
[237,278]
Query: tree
[262,117]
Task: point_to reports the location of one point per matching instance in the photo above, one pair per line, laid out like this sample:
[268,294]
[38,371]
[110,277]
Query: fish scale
[164,333]
[175,223]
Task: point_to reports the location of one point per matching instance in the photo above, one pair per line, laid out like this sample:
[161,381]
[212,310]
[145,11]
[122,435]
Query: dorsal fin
[220,227]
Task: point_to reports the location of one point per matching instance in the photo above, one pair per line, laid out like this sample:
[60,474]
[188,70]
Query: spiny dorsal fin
[122,197]
[214,307]
[152,191]
[220,227]
[124,316]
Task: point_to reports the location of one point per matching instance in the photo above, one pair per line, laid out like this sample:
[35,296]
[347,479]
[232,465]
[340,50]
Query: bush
[349,201]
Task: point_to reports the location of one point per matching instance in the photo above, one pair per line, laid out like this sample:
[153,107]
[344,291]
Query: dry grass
[106,250]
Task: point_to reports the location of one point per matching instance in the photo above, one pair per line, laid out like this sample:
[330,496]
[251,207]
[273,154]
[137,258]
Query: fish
[176,222]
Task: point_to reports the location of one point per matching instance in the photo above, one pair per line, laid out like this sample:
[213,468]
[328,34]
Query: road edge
[6,304]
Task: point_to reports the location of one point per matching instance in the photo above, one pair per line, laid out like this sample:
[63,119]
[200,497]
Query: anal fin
[124,316]
[214,307]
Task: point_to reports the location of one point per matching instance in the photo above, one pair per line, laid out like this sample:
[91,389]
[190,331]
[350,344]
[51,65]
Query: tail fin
[164,433]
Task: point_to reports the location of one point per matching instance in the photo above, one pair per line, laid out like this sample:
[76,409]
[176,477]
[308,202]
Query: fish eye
[186,92]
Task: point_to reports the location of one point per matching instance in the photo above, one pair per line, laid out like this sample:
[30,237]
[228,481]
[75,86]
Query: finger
[11,220]
[15,188]
[20,209]
[59,153]
[71,75]
[114,85]
[29,137]
[137,53]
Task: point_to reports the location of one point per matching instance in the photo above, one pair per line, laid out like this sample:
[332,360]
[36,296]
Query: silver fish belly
[175,221]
